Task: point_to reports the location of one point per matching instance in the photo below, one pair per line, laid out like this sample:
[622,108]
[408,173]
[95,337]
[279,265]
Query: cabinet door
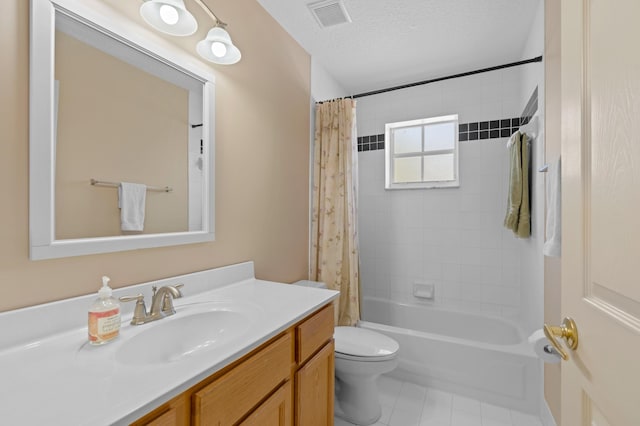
[167,419]
[314,389]
[275,411]
[173,413]
[230,397]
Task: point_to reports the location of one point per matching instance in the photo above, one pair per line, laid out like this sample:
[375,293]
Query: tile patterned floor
[408,404]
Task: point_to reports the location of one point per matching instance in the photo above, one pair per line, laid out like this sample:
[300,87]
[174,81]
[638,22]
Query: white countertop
[61,380]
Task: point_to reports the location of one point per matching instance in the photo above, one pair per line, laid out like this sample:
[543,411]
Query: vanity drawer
[313,333]
[227,399]
[274,411]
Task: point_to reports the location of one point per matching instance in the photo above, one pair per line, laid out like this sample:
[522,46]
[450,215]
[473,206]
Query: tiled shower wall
[451,237]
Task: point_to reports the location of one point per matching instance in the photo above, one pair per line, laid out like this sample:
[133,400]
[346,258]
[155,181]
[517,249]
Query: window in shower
[422,153]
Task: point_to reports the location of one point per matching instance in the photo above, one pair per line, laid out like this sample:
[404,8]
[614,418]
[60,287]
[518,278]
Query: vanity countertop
[62,380]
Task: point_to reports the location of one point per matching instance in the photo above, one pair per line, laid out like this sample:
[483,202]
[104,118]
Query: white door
[601,210]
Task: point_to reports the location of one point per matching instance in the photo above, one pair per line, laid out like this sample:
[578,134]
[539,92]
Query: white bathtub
[478,356]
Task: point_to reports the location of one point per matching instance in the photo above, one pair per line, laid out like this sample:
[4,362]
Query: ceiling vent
[329,13]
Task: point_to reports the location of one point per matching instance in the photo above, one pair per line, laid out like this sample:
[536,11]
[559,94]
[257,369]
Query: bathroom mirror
[112,102]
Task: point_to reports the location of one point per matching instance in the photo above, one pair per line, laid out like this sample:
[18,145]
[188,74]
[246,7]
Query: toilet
[361,356]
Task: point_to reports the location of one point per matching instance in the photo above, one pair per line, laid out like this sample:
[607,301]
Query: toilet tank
[308,283]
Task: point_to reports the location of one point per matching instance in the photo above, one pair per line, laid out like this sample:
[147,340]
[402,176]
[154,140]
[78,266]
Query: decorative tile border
[469,132]
[370,143]
[492,129]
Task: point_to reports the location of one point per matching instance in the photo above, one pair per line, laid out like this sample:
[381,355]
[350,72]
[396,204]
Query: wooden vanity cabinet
[314,379]
[173,413]
[230,397]
[276,410]
[286,381]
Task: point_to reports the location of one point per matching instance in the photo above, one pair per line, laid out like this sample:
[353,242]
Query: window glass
[407,139]
[407,169]
[439,136]
[438,167]
[422,153]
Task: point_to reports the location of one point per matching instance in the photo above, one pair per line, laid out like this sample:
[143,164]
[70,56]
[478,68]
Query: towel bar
[95,182]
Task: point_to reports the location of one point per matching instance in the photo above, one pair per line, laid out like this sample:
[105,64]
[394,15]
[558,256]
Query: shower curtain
[334,238]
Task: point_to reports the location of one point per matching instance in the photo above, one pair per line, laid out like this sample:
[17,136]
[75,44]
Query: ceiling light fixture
[169,16]
[172,17]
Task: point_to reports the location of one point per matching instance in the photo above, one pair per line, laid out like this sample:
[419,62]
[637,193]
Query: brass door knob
[568,330]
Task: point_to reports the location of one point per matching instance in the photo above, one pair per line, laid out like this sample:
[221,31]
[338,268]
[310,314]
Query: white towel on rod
[131,200]
[553,231]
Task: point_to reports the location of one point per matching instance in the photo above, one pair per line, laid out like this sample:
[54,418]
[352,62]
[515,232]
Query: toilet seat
[359,344]
[340,355]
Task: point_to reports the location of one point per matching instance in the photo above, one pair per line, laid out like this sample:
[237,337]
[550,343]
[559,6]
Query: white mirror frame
[43,244]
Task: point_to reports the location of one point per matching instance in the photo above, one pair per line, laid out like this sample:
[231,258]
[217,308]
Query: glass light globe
[169,14]
[218,49]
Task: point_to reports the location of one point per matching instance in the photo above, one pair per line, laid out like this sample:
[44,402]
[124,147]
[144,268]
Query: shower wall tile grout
[453,238]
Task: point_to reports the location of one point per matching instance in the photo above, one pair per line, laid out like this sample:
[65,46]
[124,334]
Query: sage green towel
[518,217]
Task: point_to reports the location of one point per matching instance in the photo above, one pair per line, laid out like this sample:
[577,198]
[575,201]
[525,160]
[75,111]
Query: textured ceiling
[393,42]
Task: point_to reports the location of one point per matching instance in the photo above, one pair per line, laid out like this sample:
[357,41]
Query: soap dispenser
[104,316]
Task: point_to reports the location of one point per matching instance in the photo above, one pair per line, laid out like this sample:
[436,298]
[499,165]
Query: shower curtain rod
[334,99]
[433,80]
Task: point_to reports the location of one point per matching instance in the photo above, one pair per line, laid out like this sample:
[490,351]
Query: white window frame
[390,156]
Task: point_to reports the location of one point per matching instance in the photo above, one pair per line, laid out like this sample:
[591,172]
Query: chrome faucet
[161,304]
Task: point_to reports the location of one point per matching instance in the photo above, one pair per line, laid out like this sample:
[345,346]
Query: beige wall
[262,152]
[552,150]
[116,123]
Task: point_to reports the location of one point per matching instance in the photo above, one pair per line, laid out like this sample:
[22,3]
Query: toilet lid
[361,342]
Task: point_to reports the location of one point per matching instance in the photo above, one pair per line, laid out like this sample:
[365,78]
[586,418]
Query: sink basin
[190,332]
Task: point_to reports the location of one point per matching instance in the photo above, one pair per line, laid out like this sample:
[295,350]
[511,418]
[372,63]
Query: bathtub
[482,357]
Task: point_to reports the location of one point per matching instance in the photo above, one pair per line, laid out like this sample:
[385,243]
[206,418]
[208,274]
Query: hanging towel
[515,183]
[552,242]
[131,201]
[518,216]
[524,215]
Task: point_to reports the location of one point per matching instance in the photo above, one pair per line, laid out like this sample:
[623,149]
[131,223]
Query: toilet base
[341,415]
[358,404]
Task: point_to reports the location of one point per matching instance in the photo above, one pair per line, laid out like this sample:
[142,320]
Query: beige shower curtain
[334,238]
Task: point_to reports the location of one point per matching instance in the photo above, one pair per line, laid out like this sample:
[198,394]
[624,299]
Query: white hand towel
[553,230]
[131,200]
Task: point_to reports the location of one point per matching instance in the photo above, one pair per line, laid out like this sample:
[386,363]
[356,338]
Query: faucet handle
[140,311]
